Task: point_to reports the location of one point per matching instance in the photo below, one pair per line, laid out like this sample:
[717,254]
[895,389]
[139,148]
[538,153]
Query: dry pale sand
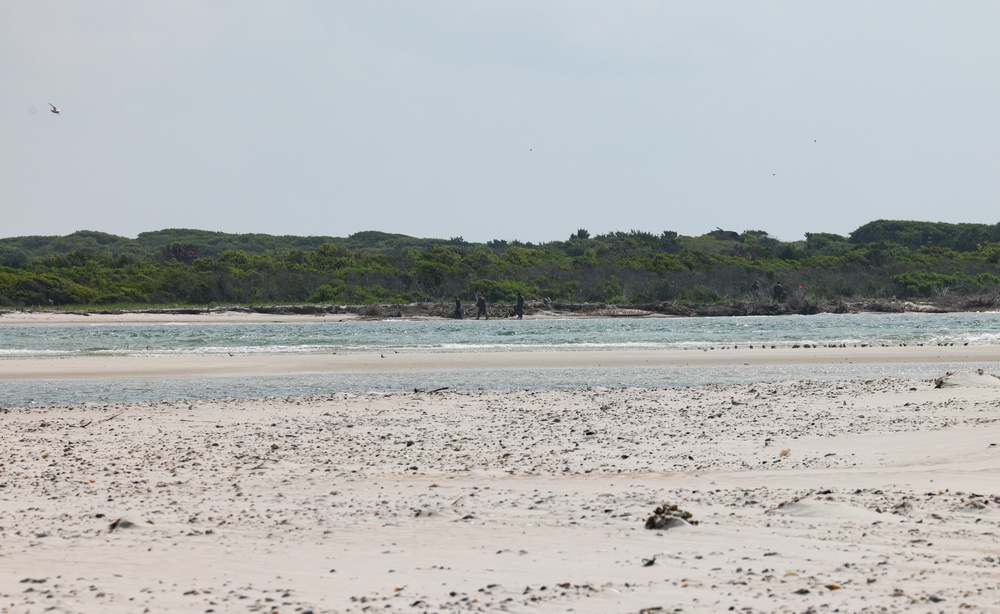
[835,496]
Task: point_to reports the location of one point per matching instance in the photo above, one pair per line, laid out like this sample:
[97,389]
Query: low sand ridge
[224,365]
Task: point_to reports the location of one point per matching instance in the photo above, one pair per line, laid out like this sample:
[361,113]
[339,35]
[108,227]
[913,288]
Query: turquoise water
[607,334]
[320,337]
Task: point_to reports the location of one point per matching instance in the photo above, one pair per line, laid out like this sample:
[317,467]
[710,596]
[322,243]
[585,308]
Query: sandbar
[282,364]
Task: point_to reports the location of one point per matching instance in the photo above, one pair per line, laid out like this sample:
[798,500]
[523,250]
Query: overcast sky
[496,120]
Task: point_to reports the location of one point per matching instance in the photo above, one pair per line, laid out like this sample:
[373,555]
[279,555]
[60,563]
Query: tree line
[883,259]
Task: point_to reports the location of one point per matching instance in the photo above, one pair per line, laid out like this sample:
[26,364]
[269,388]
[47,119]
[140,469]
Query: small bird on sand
[735,402]
[54,109]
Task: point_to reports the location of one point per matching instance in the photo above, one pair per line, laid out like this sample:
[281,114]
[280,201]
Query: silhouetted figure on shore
[779,292]
[519,308]
[481,306]
[458,309]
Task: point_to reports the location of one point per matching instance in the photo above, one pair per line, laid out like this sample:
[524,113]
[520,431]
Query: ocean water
[601,334]
[323,337]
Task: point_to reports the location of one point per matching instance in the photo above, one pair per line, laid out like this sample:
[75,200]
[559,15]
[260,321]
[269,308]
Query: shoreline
[438,310]
[93,367]
[17,318]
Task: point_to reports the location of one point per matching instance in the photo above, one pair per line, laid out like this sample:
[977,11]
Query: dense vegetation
[880,260]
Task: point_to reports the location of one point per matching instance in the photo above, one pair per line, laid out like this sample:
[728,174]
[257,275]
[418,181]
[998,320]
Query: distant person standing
[519,308]
[779,292]
[481,306]
[458,309]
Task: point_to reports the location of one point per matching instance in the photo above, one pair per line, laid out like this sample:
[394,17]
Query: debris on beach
[667,516]
[977,379]
[941,381]
[120,523]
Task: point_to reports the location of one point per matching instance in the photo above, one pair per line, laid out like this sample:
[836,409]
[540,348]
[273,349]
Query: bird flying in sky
[54,109]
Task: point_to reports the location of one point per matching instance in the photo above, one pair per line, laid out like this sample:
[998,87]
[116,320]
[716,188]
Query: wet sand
[879,495]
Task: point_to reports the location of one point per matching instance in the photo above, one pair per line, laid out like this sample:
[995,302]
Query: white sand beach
[850,496]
